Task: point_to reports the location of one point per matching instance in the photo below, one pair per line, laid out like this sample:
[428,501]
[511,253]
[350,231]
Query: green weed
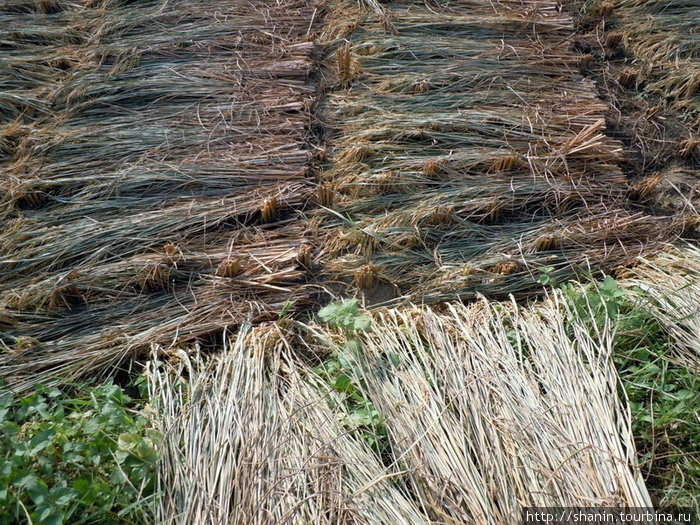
[344,375]
[346,316]
[74,459]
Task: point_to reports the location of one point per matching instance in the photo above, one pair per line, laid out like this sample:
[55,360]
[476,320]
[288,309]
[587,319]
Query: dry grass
[644,56]
[249,440]
[479,404]
[155,182]
[143,147]
[156,163]
[463,144]
[669,285]
[662,34]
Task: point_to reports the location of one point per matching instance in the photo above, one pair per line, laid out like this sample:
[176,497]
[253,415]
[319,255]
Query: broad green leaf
[346,361]
[41,441]
[54,393]
[62,496]
[685,394]
[6,400]
[338,312]
[354,345]
[343,383]
[53,518]
[361,417]
[363,323]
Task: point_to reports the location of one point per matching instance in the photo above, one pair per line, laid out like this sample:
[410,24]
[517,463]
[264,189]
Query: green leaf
[286,308]
[62,496]
[54,393]
[41,441]
[329,368]
[329,313]
[361,417]
[685,394]
[87,491]
[92,426]
[343,383]
[7,467]
[611,308]
[6,401]
[609,283]
[354,345]
[53,518]
[346,361]
[339,312]
[72,458]
[128,441]
[35,487]
[363,323]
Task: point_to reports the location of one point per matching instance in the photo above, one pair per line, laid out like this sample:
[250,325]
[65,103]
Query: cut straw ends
[303,257]
[421,87]
[432,167]
[613,40]
[628,77]
[326,195]
[688,147]
[545,243]
[349,68]
[645,187]
[606,8]
[170,249]
[366,277]
[441,215]
[506,163]
[585,60]
[155,276]
[688,224]
[269,211]
[229,268]
[49,7]
[505,268]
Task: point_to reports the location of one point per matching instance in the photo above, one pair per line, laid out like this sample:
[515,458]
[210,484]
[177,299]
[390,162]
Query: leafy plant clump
[74,459]
[597,302]
[346,316]
[344,375]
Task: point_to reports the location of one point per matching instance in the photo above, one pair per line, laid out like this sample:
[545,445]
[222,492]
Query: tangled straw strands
[662,35]
[249,440]
[497,260]
[463,146]
[669,286]
[478,403]
[86,323]
[154,167]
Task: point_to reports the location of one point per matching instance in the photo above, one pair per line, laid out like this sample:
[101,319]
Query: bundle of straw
[488,409]
[491,408]
[249,440]
[669,287]
[467,155]
[662,36]
[154,161]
